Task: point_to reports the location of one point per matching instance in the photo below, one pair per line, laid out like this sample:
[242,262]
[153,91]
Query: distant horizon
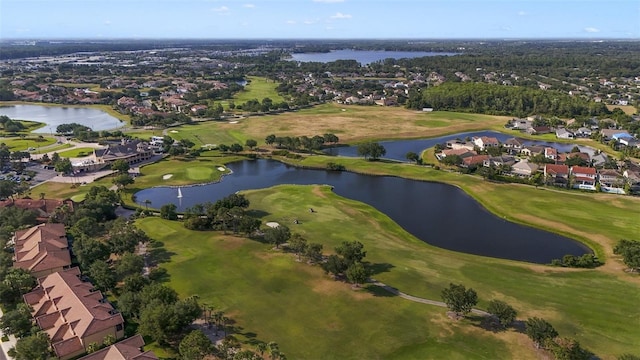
[426,40]
[320,19]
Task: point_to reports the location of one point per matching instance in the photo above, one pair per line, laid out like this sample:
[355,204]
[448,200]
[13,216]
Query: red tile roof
[128,349]
[556,169]
[582,170]
[67,308]
[42,247]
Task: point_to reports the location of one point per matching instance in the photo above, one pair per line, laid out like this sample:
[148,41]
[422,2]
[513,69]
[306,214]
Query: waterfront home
[521,124]
[524,168]
[497,161]
[463,153]
[484,142]
[563,133]
[457,144]
[583,132]
[538,130]
[532,150]
[598,160]
[584,177]
[513,145]
[42,249]
[613,134]
[72,313]
[551,153]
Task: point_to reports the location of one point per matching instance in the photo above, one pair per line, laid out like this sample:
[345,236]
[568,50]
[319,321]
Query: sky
[319,19]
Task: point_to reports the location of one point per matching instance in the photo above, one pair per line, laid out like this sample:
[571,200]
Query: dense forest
[503,100]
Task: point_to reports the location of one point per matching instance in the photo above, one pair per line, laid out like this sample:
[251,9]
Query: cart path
[418,299]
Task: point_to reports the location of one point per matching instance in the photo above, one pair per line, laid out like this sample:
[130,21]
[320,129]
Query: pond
[439,214]
[53,116]
[397,149]
[364,57]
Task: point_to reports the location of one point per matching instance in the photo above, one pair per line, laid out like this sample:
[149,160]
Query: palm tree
[147,202]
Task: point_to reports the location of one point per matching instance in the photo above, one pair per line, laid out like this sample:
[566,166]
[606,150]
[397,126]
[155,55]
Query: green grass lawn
[273,297]
[52,148]
[30,141]
[77,152]
[258,88]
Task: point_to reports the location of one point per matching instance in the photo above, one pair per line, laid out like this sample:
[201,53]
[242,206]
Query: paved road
[418,299]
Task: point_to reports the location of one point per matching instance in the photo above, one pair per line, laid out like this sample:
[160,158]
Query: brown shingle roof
[65,307]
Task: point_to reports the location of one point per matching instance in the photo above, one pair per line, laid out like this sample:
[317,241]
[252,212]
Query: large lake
[439,214]
[398,149]
[364,57]
[53,116]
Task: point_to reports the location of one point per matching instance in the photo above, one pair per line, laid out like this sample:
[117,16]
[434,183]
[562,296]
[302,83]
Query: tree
[357,273]
[278,235]
[195,346]
[102,276]
[270,139]
[459,299]
[169,212]
[313,252]
[235,148]
[129,264]
[539,330]
[630,251]
[334,265]
[124,237]
[298,244]
[250,143]
[411,156]
[34,347]
[18,321]
[371,150]
[120,166]
[122,180]
[7,188]
[351,251]
[64,166]
[503,311]
[16,283]
[89,250]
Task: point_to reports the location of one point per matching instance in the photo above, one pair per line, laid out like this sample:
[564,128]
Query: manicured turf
[270,294]
[258,88]
[77,152]
[20,144]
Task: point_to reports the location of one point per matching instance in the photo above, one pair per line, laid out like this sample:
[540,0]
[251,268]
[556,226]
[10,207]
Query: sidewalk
[6,345]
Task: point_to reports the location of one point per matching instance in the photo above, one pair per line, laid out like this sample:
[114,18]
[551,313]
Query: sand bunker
[220,168]
[272,224]
[167,176]
[173,131]
[233,122]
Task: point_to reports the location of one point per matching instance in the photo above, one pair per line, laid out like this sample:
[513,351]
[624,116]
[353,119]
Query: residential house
[551,153]
[497,161]
[484,142]
[538,130]
[584,177]
[563,133]
[457,144]
[628,141]
[42,249]
[532,150]
[611,178]
[598,160]
[524,168]
[72,313]
[613,134]
[127,349]
[463,153]
[556,174]
[632,176]
[44,208]
[514,145]
[476,160]
[583,132]
[521,124]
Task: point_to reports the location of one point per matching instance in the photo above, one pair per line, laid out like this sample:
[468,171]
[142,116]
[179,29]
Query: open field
[56,190]
[270,294]
[628,109]
[20,144]
[52,148]
[77,152]
[258,88]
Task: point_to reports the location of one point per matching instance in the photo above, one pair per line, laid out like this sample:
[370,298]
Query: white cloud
[291,22]
[328,1]
[341,16]
[220,9]
[521,13]
[591,30]
[309,22]
[248,6]
[107,22]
